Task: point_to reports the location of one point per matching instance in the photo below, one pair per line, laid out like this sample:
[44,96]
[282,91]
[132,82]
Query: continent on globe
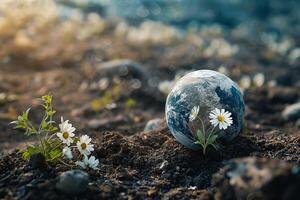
[209,90]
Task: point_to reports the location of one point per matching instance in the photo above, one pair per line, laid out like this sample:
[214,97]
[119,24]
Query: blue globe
[209,90]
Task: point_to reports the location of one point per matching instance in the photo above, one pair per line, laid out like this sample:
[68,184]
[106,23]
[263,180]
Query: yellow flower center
[83,145]
[66,135]
[221,118]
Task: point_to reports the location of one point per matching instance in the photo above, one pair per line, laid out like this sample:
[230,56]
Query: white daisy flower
[67,152]
[84,145]
[91,162]
[194,113]
[220,118]
[66,132]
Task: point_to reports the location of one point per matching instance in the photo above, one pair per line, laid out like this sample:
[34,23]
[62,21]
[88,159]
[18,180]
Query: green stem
[51,137]
[210,134]
[57,146]
[203,129]
[42,145]
[204,149]
[65,163]
[60,154]
[44,118]
[31,126]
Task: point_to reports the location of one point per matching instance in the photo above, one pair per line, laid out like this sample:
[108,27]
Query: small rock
[137,75]
[291,112]
[26,178]
[73,182]
[107,122]
[151,192]
[37,161]
[105,188]
[153,124]
[122,68]
[192,188]
[163,164]
[254,177]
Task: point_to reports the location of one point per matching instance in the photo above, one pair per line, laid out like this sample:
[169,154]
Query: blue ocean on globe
[209,90]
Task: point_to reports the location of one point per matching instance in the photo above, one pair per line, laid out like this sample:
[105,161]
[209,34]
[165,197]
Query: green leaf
[55,153]
[52,128]
[27,112]
[44,124]
[50,112]
[200,136]
[76,139]
[215,146]
[30,131]
[25,154]
[212,139]
[47,99]
[30,150]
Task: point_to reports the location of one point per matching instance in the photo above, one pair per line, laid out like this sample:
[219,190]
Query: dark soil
[135,164]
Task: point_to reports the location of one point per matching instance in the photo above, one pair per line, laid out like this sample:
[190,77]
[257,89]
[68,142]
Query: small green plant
[208,136]
[56,144]
[130,103]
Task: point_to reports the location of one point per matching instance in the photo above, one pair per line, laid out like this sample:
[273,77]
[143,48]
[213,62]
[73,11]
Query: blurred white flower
[84,145]
[222,69]
[91,162]
[66,132]
[259,79]
[67,152]
[245,82]
[194,113]
[294,55]
[166,86]
[220,118]
[272,83]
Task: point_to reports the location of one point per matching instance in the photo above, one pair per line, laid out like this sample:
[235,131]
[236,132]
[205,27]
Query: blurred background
[110,64]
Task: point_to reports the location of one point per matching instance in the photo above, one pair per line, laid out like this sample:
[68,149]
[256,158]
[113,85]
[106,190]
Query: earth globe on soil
[209,90]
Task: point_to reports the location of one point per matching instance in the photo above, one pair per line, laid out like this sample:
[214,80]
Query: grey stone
[291,112]
[123,68]
[137,75]
[208,90]
[153,124]
[37,161]
[73,182]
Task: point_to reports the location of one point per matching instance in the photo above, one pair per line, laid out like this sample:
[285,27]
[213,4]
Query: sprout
[206,136]
[53,145]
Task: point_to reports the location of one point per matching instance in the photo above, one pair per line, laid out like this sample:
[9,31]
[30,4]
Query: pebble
[163,164]
[106,188]
[291,112]
[122,68]
[25,178]
[73,182]
[37,161]
[153,124]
